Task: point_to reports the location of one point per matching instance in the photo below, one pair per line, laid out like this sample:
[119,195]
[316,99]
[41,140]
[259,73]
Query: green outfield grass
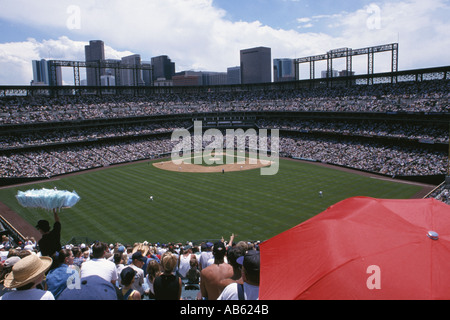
[115,203]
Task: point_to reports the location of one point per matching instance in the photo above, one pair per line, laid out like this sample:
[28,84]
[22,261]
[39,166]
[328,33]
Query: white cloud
[196,35]
[15,62]
[328,16]
[421,27]
[308,25]
[303,20]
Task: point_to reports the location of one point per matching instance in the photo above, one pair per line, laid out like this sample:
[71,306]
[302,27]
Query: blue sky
[208,34]
[283,14]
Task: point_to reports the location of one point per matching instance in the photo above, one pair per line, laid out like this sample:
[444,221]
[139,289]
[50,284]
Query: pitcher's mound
[189,167]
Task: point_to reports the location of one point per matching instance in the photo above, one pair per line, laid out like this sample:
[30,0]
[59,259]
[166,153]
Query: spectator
[6,268]
[184,260]
[233,254]
[167,286]
[193,274]
[151,255]
[121,249]
[153,270]
[6,243]
[77,257]
[98,265]
[64,275]
[50,243]
[137,262]
[127,278]
[26,275]
[205,255]
[30,242]
[211,276]
[120,261]
[249,290]
[85,252]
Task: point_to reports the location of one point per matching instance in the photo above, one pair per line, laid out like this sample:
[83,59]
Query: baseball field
[145,202]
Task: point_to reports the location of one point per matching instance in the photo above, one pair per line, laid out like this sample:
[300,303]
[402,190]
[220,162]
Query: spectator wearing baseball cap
[212,276]
[50,243]
[137,263]
[205,255]
[249,290]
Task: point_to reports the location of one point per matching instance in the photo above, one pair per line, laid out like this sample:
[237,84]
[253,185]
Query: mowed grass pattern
[115,203]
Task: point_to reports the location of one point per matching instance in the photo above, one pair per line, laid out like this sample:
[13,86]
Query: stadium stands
[391,129]
[423,97]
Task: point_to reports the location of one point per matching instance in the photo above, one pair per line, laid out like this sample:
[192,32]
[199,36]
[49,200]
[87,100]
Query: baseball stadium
[377,135]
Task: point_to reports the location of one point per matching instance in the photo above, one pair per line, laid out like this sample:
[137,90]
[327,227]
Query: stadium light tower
[348,54]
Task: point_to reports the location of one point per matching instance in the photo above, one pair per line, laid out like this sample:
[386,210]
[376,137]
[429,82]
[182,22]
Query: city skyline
[206,35]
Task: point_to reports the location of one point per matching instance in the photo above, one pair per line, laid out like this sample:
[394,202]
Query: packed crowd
[364,128]
[374,157]
[426,96]
[142,271]
[85,134]
[66,159]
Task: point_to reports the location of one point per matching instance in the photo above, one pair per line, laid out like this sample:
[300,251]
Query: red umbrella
[362,248]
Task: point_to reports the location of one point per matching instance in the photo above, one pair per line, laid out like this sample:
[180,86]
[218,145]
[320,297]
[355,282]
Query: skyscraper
[42,73]
[94,52]
[147,73]
[163,68]
[283,70]
[234,75]
[256,65]
[131,72]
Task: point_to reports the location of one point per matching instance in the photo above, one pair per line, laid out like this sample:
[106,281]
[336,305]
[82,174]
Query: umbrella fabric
[362,248]
[47,198]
